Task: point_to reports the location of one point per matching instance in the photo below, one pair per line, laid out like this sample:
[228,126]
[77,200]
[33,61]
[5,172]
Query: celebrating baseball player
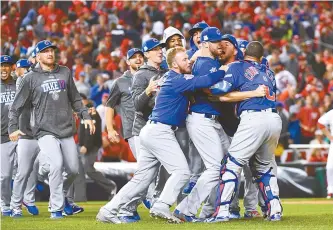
[8,90]
[50,89]
[256,137]
[27,152]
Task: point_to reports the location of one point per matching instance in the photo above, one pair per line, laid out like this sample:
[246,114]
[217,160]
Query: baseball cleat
[217,219]
[164,214]
[56,215]
[251,214]
[77,209]
[147,203]
[185,218]
[7,213]
[107,218]
[127,219]
[32,209]
[234,215]
[187,190]
[40,186]
[136,215]
[68,209]
[264,212]
[17,213]
[275,217]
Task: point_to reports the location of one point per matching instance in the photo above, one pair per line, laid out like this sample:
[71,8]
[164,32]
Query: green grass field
[298,214]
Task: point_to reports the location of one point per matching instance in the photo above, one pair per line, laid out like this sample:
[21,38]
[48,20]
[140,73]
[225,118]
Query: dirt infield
[307,202]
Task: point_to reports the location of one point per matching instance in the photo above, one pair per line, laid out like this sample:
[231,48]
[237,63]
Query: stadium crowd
[93,38]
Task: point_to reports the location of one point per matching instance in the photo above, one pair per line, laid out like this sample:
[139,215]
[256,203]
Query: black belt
[207,115]
[173,127]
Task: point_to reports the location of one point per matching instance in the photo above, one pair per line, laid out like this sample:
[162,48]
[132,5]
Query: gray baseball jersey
[120,94]
[143,104]
[7,97]
[52,95]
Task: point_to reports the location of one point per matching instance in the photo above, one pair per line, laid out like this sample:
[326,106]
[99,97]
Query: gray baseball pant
[26,176]
[158,146]
[59,154]
[212,143]
[7,165]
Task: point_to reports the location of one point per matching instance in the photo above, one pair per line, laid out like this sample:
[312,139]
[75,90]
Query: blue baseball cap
[23,63]
[33,53]
[5,59]
[42,45]
[133,51]
[198,26]
[211,34]
[151,44]
[242,44]
[231,39]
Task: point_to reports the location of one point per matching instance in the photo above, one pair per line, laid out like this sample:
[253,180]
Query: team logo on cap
[47,43]
[205,38]
[218,32]
[5,58]
[155,40]
[18,65]
[145,48]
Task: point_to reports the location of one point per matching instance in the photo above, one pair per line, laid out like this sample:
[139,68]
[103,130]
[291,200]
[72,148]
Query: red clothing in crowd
[51,16]
[308,117]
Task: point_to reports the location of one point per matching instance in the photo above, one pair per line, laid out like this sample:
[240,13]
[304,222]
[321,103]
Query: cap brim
[193,30]
[6,62]
[162,45]
[51,46]
[139,51]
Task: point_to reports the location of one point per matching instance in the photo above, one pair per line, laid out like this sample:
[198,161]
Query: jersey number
[269,96]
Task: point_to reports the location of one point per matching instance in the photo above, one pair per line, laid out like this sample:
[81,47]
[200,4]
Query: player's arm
[22,97]
[323,123]
[77,106]
[111,103]
[191,83]
[237,96]
[141,93]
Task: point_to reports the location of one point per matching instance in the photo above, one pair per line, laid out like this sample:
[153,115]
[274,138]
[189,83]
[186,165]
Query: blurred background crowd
[93,38]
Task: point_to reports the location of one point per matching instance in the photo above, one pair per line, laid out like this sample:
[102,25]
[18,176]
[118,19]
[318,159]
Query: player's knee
[229,175]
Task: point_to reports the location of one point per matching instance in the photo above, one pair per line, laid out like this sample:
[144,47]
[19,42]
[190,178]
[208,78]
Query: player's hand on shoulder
[224,67]
[152,87]
[14,136]
[260,91]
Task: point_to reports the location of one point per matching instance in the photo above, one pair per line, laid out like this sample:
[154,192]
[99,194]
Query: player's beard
[184,70]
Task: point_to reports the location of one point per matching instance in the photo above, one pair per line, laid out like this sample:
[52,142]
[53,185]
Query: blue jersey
[171,103]
[203,66]
[247,76]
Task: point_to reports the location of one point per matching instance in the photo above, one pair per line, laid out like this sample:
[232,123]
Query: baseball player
[195,33]
[50,89]
[172,38]
[325,122]
[27,152]
[120,95]
[251,193]
[8,90]
[256,137]
[158,141]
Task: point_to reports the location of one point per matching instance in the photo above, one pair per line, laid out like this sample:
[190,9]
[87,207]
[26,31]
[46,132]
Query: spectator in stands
[98,90]
[82,86]
[318,154]
[294,128]
[308,117]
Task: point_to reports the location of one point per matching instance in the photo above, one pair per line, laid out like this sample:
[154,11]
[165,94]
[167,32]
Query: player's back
[247,76]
